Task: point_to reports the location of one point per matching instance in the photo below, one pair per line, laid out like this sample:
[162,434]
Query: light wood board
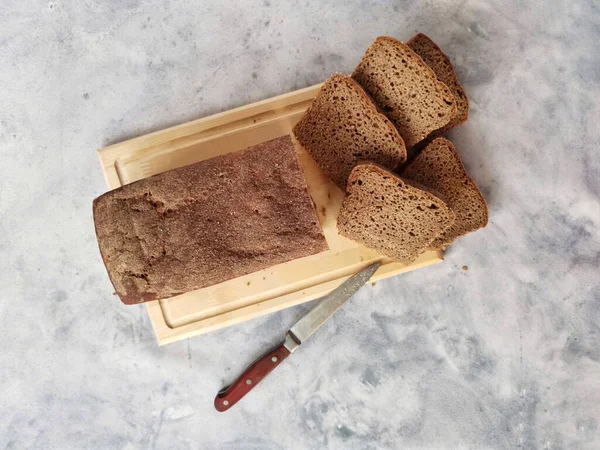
[271,289]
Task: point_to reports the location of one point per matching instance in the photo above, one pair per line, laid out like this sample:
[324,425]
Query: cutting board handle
[253,375]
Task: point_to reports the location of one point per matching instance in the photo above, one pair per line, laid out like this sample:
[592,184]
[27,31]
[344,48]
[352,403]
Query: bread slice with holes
[439,167]
[342,127]
[405,88]
[391,215]
[435,58]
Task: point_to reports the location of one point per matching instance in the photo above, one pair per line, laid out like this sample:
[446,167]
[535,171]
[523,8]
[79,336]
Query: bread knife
[296,335]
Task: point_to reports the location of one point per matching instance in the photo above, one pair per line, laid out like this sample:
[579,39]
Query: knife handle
[253,375]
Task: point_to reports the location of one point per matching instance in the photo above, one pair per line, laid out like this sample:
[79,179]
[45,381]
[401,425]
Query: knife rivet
[274,359]
[226,402]
[248,381]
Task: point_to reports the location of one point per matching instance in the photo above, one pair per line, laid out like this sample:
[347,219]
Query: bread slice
[405,88]
[439,167]
[208,222]
[441,65]
[342,127]
[391,215]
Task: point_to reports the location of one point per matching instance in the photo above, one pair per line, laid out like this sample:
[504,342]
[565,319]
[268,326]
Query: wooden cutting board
[271,289]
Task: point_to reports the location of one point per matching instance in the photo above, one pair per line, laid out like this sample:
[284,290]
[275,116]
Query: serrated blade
[330,304]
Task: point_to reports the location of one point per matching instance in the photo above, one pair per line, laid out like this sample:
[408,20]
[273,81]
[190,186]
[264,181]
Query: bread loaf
[207,223]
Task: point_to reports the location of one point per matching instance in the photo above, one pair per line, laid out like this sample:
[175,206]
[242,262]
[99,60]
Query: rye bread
[342,127]
[207,223]
[391,215]
[405,88]
[439,167]
[435,58]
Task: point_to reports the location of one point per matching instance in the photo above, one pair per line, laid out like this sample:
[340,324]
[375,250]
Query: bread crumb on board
[465,268]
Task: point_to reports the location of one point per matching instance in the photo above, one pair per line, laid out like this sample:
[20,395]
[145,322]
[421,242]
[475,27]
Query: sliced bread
[391,215]
[405,88]
[441,65]
[342,127]
[439,167]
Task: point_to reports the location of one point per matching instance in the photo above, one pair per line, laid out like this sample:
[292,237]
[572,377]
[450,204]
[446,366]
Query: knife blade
[299,333]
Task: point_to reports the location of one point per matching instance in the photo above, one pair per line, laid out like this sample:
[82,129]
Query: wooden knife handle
[253,375]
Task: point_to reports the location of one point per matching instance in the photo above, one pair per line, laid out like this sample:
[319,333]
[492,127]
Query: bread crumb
[357,132]
[385,213]
[440,168]
[386,71]
[465,268]
[373,283]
